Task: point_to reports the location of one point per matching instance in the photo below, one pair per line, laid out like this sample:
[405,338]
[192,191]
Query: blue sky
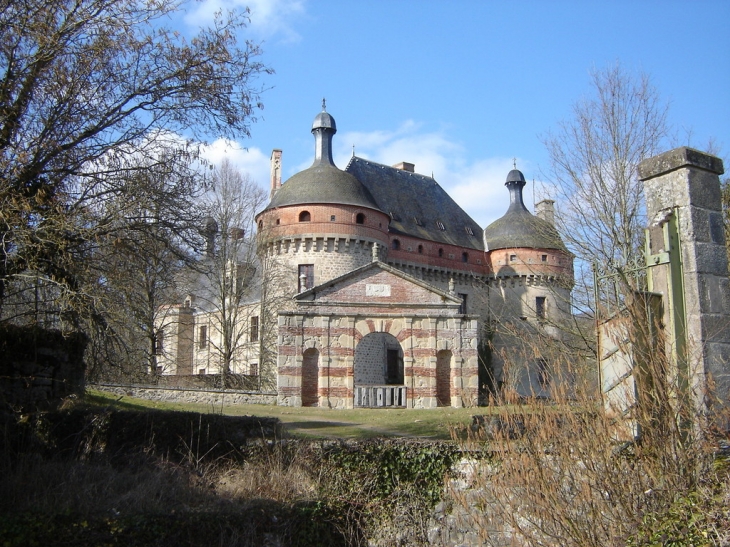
[461,88]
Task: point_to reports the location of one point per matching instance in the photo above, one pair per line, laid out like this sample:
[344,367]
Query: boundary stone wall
[196,396]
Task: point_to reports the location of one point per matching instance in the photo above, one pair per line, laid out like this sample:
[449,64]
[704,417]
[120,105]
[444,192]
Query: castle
[381,291]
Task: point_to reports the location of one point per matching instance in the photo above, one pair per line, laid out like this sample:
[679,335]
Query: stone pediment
[378,285]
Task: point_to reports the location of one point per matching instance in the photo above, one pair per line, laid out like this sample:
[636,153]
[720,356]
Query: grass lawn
[310,422]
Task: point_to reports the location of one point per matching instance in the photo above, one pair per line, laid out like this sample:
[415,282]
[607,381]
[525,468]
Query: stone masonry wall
[336,338]
[213,398]
[685,182]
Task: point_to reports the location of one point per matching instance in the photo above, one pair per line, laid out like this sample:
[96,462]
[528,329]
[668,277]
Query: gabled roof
[331,286]
[418,206]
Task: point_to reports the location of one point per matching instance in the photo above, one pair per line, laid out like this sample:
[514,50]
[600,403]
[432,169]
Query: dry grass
[559,476]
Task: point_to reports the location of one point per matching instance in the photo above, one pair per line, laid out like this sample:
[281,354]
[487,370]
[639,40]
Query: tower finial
[324,104]
[514,163]
[353,150]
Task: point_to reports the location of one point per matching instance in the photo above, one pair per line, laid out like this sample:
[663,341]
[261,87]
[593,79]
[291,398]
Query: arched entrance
[443,378]
[310,378]
[378,370]
[379,360]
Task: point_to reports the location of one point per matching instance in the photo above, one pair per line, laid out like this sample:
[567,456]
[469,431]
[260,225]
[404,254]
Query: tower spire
[323,129]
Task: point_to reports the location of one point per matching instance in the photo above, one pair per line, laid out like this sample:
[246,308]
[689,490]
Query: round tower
[322,222]
[530,286]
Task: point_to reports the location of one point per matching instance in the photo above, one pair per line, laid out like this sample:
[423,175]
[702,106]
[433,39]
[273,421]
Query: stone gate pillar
[685,183]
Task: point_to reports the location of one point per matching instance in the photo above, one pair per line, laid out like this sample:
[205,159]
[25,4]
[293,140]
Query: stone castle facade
[381,291]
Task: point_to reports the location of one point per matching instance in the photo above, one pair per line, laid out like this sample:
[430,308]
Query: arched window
[359,218]
[420,249]
[441,253]
[304,216]
[396,244]
[465,257]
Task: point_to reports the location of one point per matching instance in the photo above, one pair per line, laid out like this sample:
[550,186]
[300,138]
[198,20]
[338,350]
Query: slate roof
[416,204]
[322,183]
[518,227]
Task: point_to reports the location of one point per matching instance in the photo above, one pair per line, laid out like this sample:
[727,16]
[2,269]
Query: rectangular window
[159,342]
[462,308]
[306,277]
[203,337]
[254,334]
[543,258]
[512,258]
[540,307]
[253,369]
[201,371]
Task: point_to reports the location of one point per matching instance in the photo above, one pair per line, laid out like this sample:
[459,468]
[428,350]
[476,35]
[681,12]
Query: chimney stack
[275,171]
[545,210]
[405,166]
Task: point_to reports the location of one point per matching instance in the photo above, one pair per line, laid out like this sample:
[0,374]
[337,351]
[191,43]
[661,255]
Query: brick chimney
[275,171]
[405,166]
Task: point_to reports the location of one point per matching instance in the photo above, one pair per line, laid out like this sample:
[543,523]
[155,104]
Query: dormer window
[304,216]
[440,225]
[469,230]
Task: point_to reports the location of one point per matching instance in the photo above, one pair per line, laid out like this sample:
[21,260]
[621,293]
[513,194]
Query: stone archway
[310,378]
[443,378]
[379,360]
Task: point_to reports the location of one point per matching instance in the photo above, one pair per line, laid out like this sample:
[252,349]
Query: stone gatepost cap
[679,157]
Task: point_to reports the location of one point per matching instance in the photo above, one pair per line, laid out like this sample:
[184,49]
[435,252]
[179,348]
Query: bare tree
[230,288]
[144,241]
[85,87]
[593,161]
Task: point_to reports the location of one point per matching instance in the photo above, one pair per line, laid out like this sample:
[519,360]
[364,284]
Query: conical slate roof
[519,228]
[323,182]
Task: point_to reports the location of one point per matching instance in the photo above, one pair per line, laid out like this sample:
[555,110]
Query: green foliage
[388,465]
[685,524]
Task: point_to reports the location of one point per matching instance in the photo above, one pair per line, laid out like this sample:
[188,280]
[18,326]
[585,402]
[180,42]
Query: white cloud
[477,185]
[252,160]
[269,18]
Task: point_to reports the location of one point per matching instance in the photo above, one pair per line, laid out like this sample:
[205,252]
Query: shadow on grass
[314,424]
